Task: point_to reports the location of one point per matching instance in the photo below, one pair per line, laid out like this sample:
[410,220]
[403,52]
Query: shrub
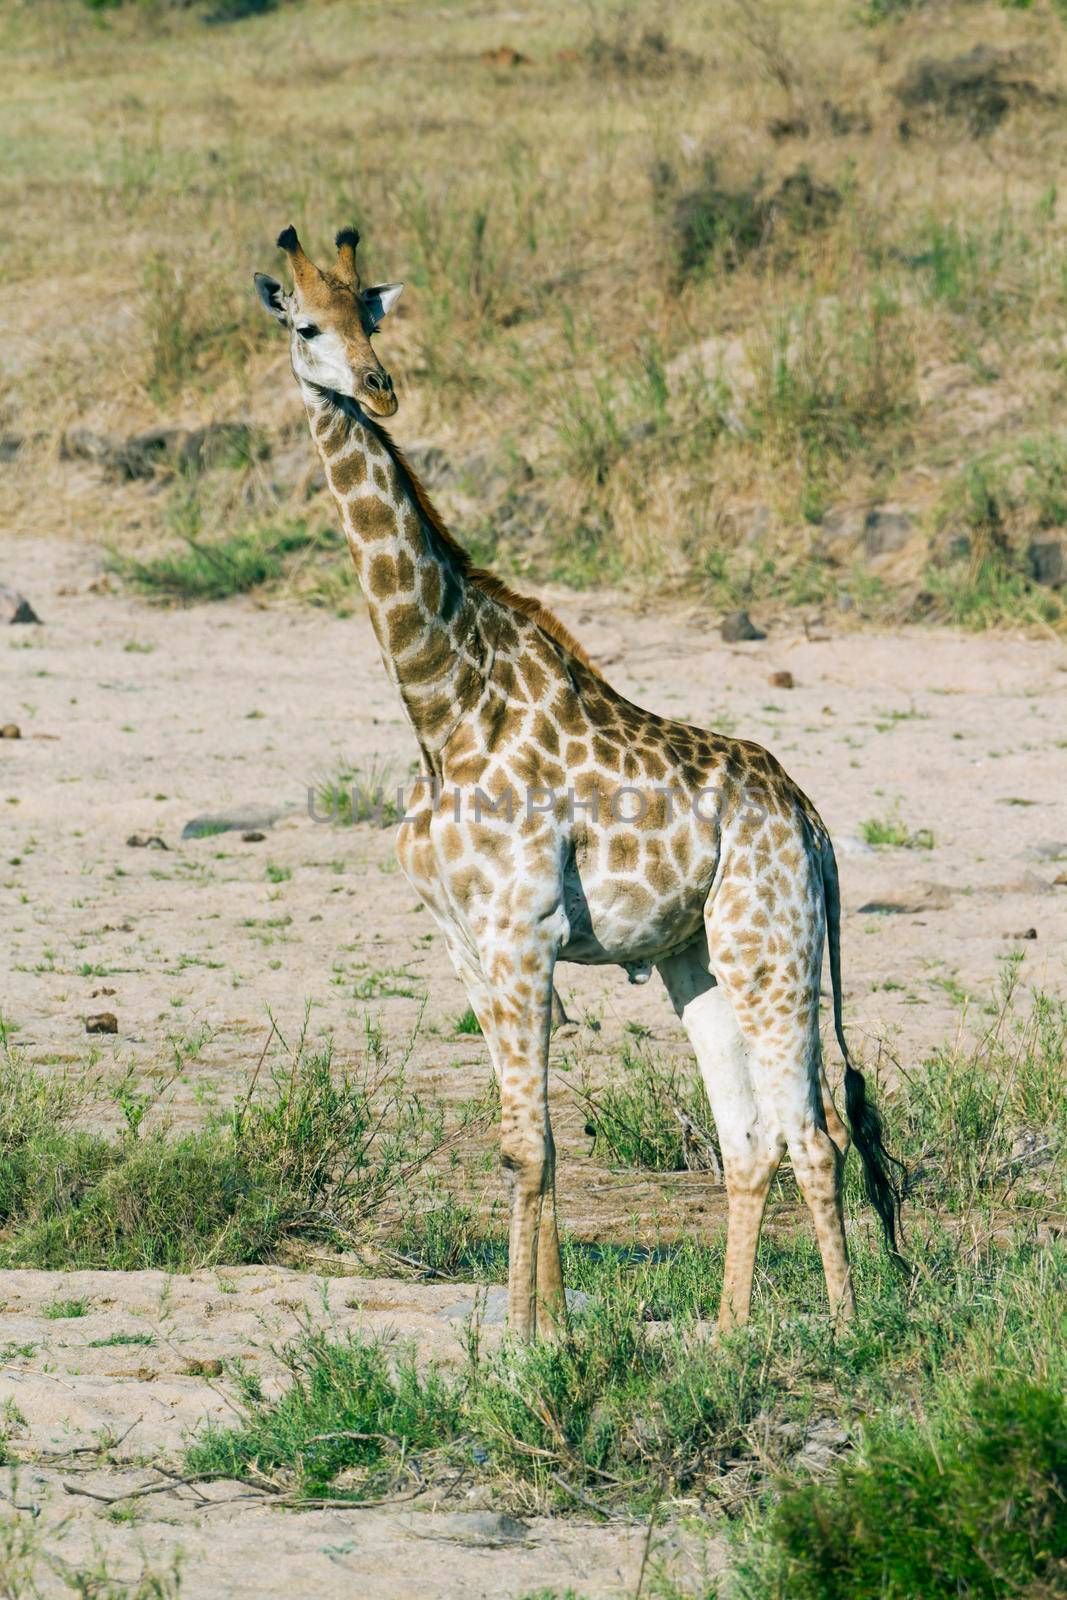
[315,1158]
[973,1506]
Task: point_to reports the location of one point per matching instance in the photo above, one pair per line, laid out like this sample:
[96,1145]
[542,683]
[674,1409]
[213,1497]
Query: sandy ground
[135,720]
[97,1414]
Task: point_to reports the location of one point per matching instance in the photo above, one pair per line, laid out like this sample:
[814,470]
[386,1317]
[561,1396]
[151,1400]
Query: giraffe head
[330,318]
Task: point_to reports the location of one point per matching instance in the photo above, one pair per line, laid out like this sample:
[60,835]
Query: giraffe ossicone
[731,897]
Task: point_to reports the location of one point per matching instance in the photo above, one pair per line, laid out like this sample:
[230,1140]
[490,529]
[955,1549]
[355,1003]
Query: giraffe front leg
[518,978]
[528,1157]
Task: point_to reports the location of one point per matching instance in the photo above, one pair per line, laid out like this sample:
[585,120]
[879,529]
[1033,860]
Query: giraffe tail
[884,1189]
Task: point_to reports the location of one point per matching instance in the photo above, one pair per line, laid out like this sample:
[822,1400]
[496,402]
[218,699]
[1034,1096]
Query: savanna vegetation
[945,1400]
[758,303]
[731,300]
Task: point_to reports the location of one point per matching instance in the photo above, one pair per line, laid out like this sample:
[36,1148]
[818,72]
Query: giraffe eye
[309,331]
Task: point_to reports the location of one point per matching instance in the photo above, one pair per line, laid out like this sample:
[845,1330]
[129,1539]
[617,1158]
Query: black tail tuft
[883,1190]
[864,1123]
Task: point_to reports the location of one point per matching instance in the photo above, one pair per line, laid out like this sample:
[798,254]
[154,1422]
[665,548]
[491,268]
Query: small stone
[14,607]
[146,841]
[738,626]
[243,819]
[10,730]
[253,836]
[782,680]
[102,1022]
[209,1368]
[1026,933]
[1060,880]
[98,993]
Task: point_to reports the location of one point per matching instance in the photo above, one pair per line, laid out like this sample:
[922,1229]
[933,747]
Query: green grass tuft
[651,1113]
[215,569]
[58,1310]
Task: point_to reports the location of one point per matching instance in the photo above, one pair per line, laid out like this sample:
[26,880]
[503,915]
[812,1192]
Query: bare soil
[135,719]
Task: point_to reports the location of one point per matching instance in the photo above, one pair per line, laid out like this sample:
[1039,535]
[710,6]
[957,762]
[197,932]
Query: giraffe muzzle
[377,393]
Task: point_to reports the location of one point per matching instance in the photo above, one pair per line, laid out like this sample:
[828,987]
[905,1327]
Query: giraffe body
[554,820]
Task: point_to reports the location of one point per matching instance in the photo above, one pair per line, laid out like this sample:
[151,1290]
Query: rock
[245,819]
[782,680]
[253,836]
[146,841]
[739,625]
[209,1367]
[10,445]
[844,524]
[10,730]
[922,897]
[487,1529]
[14,607]
[1027,933]
[885,529]
[1048,563]
[101,994]
[102,1022]
[880,529]
[1060,880]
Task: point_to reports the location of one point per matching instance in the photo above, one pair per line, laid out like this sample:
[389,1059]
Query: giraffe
[554,820]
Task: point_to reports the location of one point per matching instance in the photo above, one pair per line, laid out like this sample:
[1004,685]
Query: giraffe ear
[271,296]
[380,300]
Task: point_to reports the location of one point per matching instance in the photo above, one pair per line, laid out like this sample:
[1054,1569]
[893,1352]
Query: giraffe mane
[489,583]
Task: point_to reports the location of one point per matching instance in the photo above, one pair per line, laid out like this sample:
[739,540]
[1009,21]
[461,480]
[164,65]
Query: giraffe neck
[424,612]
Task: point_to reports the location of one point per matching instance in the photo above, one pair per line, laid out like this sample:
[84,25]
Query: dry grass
[676,267]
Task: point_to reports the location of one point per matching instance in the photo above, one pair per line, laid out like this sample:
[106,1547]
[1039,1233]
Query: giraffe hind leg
[751,1146]
[772,981]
